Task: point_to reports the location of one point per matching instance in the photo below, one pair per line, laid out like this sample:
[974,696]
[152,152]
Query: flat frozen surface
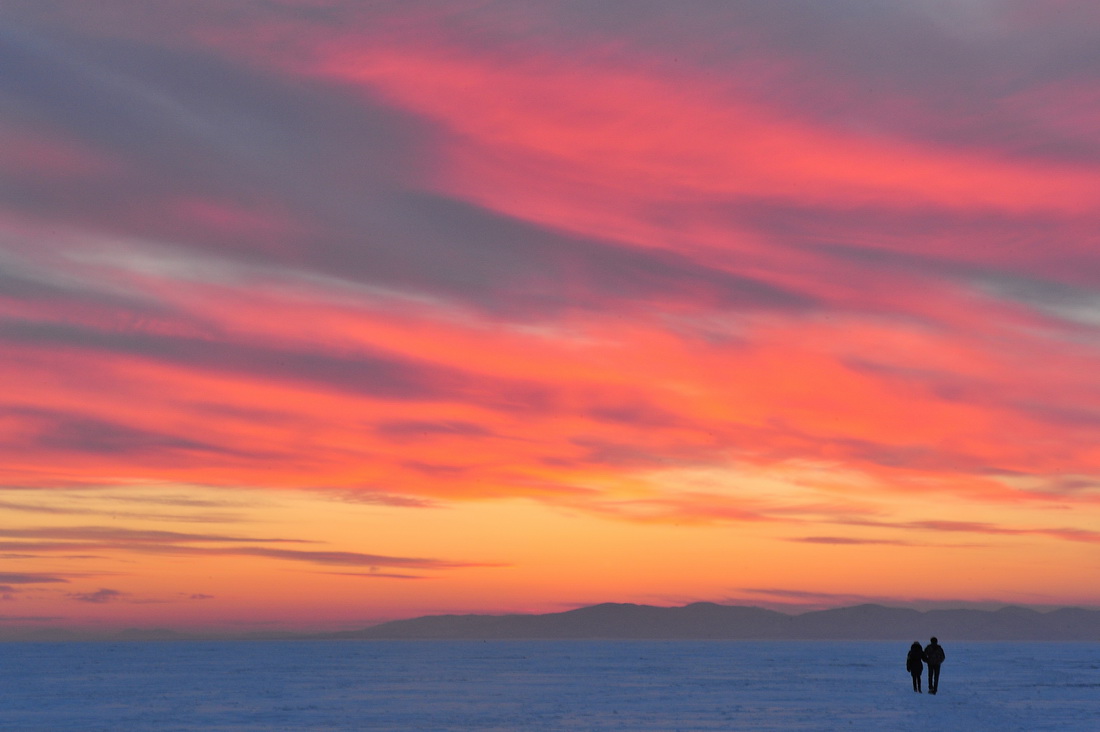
[547,685]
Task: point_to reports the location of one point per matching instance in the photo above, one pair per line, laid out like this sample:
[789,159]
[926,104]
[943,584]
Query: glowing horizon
[315,314]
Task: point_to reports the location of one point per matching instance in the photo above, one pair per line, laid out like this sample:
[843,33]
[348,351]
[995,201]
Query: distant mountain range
[709,621]
[698,621]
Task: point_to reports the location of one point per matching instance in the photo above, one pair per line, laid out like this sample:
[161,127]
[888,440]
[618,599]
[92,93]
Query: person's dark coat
[913,661]
[934,655]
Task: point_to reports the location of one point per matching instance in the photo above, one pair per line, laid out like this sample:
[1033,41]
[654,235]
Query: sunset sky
[315,313]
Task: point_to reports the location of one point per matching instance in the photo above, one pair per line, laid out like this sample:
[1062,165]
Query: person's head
[935,639]
[916,644]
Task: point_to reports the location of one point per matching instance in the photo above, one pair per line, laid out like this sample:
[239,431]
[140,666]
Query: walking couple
[933,655]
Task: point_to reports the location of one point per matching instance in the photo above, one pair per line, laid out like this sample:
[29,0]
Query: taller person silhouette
[934,656]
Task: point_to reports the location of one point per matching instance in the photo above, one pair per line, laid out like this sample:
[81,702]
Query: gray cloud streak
[191,125]
[51,540]
[134,536]
[30,578]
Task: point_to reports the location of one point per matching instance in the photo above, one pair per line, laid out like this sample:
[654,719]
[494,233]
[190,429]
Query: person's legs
[916,682]
[933,678]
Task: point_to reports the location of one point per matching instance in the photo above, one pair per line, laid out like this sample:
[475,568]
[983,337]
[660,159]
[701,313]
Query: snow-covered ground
[549,685]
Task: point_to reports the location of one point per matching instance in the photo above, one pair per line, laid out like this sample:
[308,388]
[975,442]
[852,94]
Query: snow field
[543,685]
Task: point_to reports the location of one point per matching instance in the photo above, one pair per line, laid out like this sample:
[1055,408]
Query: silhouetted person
[934,656]
[913,664]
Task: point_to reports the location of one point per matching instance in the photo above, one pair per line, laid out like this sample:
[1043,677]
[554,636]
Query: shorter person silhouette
[934,656]
[913,664]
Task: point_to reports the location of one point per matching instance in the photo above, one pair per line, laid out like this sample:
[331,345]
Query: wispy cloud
[132,536]
[808,597]
[55,509]
[372,497]
[380,575]
[29,578]
[984,528]
[50,540]
[349,559]
[100,596]
[849,541]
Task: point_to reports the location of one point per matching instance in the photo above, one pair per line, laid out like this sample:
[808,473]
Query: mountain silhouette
[710,621]
[698,621]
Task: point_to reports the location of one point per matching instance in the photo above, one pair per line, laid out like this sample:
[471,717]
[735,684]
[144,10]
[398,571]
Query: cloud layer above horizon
[812,280]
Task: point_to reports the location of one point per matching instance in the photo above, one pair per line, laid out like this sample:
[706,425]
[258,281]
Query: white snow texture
[543,685]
